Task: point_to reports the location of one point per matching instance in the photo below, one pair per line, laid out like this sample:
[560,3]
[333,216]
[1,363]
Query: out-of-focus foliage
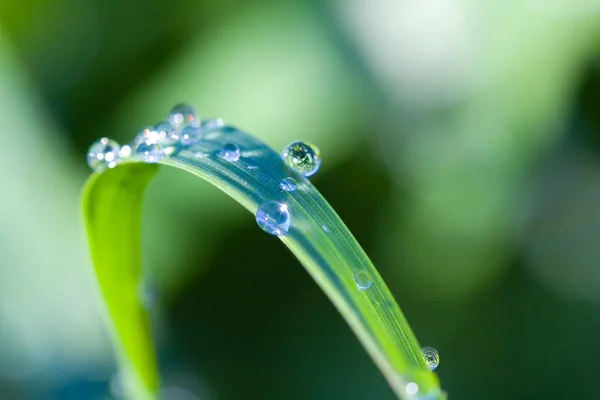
[460,145]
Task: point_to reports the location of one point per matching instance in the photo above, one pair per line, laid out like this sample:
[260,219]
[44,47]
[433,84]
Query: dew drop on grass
[103,154]
[125,152]
[230,152]
[182,115]
[189,135]
[363,280]
[412,388]
[147,135]
[150,152]
[166,133]
[432,357]
[274,218]
[212,124]
[288,184]
[325,228]
[302,157]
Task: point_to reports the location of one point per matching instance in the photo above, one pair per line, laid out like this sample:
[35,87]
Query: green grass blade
[112,204]
[317,237]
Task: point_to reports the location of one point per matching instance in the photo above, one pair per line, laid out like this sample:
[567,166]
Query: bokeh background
[461,145]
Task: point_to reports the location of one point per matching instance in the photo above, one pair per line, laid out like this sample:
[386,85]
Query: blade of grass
[112,204]
[317,237]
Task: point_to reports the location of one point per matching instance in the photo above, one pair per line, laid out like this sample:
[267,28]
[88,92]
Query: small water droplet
[189,135]
[302,157]
[252,167]
[182,115]
[274,218]
[363,280]
[167,135]
[288,184]
[125,152]
[212,124]
[147,135]
[432,357]
[412,388]
[230,152]
[325,228]
[150,152]
[103,154]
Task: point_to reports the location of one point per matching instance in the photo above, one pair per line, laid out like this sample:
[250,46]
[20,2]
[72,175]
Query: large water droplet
[189,135]
[150,152]
[302,157]
[363,280]
[274,218]
[288,184]
[230,152]
[103,154]
[432,357]
[182,115]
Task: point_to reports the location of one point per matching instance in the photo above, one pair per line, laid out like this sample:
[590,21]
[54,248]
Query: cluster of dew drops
[183,128]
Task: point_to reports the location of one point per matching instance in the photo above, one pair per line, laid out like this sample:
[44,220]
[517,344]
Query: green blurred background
[461,145]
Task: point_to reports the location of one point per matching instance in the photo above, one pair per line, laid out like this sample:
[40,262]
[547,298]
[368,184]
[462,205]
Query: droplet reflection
[274,218]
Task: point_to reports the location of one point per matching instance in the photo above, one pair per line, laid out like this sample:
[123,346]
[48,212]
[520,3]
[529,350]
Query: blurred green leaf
[317,237]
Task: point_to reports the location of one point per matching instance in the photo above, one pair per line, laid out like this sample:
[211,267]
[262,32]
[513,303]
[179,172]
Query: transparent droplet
[363,280]
[103,154]
[189,135]
[150,152]
[230,152]
[325,228]
[288,184]
[412,388]
[302,157]
[125,152]
[212,124]
[166,133]
[274,218]
[432,357]
[146,135]
[182,115]
[252,166]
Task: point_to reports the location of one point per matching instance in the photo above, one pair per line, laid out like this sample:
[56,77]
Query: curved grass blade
[317,237]
[112,204]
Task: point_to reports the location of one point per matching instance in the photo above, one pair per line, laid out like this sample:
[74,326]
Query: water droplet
[230,152]
[167,135]
[274,218]
[288,184]
[412,388]
[251,166]
[147,135]
[182,115]
[325,228]
[432,357]
[212,124]
[363,280]
[150,152]
[302,157]
[103,154]
[189,135]
[125,152]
